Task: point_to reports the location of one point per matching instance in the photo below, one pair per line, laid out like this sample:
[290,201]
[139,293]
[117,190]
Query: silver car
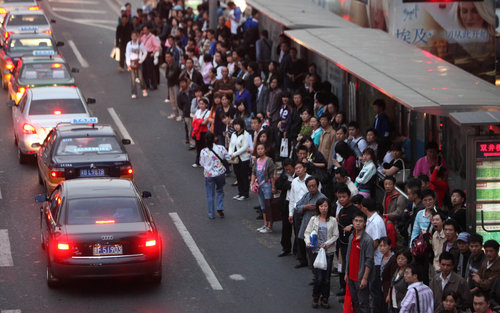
[25,21]
[41,109]
[12,5]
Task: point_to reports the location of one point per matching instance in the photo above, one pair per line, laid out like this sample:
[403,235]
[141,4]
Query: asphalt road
[247,275]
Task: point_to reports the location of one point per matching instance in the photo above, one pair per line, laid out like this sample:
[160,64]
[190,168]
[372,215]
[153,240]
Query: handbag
[320,262]
[115,54]
[236,160]
[134,64]
[421,245]
[403,174]
[284,148]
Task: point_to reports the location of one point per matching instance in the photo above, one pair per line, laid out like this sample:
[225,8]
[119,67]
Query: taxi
[12,5]
[25,21]
[39,71]
[40,110]
[24,44]
[99,228]
[82,150]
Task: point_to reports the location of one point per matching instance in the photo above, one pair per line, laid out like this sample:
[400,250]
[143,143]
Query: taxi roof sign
[43,52]
[85,120]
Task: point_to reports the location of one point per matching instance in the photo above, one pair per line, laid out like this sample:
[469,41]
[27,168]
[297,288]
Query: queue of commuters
[278,127]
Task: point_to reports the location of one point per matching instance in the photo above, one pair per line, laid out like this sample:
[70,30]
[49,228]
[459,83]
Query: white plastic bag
[320,262]
[284,148]
[115,54]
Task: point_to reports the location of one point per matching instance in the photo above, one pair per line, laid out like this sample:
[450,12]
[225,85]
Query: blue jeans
[265,193]
[322,278]
[215,185]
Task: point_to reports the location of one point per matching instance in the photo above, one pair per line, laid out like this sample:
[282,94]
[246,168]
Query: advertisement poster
[488,170]
[459,32]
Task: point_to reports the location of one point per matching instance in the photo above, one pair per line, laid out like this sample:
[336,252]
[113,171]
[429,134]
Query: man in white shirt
[375,227]
[419,297]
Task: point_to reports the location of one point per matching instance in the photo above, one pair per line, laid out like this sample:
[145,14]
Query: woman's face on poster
[470,16]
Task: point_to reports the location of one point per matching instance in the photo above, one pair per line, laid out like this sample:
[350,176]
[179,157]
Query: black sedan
[99,227]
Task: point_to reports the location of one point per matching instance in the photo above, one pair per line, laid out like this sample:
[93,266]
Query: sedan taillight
[29,129]
[57,172]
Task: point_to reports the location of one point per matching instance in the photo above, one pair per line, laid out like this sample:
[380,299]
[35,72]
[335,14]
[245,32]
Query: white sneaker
[266,230]
[133,96]
[236,197]
[166,100]
[241,198]
[179,119]
[144,93]
[172,116]
[195,165]
[261,228]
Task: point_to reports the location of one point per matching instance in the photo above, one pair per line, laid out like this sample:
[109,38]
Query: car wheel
[156,278]
[21,157]
[52,281]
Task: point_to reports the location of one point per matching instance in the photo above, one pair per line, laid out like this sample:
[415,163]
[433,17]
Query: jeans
[322,278]
[360,297]
[215,185]
[265,193]
[136,74]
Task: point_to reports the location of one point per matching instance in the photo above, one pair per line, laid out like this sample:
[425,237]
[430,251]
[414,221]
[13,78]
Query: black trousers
[148,72]
[343,251]
[122,55]
[286,228]
[241,170]
[200,144]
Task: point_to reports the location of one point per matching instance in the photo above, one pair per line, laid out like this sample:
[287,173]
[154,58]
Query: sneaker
[133,96]
[138,81]
[261,228]
[236,197]
[172,116]
[144,93]
[241,198]
[120,69]
[195,165]
[266,230]
[178,119]
[166,100]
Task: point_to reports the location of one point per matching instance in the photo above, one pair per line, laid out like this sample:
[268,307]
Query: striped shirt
[425,297]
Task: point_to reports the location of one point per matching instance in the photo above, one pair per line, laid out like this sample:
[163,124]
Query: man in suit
[263,48]
[261,96]
[194,75]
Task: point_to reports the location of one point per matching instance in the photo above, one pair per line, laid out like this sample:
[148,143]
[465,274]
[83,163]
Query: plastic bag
[284,148]
[115,54]
[320,262]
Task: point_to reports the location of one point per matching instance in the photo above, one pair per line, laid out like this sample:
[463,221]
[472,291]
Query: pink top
[150,43]
[424,165]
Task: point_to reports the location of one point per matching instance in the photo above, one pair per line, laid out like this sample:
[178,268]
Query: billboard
[460,32]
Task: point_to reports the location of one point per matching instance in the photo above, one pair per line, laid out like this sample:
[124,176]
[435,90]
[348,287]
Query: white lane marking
[81,23]
[69,10]
[78,55]
[191,244]
[10,311]
[5,254]
[237,277]
[0,194]
[119,124]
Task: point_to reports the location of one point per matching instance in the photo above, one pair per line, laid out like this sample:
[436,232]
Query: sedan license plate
[92,172]
[107,249]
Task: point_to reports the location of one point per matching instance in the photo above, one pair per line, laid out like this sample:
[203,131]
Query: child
[262,183]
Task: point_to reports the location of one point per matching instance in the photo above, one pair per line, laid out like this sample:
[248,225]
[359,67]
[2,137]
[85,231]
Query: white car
[40,110]
[25,21]
[12,5]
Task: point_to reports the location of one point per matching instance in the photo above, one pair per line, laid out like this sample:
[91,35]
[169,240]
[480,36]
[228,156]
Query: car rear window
[103,211]
[45,71]
[56,107]
[27,20]
[27,44]
[78,146]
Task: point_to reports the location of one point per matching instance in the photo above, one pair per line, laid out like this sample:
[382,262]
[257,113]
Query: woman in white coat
[325,226]
[240,158]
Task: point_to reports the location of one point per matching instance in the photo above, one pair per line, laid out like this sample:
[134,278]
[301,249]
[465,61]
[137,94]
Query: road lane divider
[119,124]
[85,11]
[1,194]
[5,253]
[78,55]
[200,259]
[10,311]
[91,2]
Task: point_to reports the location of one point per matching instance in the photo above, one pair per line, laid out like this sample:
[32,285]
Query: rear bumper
[95,267]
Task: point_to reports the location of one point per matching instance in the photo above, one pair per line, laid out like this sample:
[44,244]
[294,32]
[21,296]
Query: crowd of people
[279,128]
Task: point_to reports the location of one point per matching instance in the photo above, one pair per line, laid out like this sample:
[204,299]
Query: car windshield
[45,71]
[56,107]
[103,211]
[27,44]
[78,146]
[27,20]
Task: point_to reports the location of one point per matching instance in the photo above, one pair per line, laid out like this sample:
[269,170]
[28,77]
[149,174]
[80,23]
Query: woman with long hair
[262,182]
[398,287]
[364,181]
[200,128]
[240,158]
[243,113]
[344,157]
[326,228]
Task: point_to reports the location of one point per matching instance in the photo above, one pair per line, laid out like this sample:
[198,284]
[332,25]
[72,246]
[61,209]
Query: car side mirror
[146,194]
[11,103]
[41,198]
[75,70]
[90,100]
[53,21]
[126,141]
[59,44]
[36,145]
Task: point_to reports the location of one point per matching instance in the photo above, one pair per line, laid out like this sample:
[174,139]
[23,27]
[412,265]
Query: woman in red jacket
[438,183]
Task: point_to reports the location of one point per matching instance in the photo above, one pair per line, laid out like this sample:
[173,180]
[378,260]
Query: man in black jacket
[172,72]
[123,33]
[283,184]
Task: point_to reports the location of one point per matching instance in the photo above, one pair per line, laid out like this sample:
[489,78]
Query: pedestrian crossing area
[88,12]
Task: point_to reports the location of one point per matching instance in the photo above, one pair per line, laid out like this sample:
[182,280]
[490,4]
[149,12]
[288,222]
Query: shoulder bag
[223,161]
[421,245]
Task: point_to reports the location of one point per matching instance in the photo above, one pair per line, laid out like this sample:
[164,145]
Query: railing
[380,177]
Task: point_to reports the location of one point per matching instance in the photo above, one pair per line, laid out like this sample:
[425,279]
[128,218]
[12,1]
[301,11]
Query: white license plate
[92,172]
[107,249]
